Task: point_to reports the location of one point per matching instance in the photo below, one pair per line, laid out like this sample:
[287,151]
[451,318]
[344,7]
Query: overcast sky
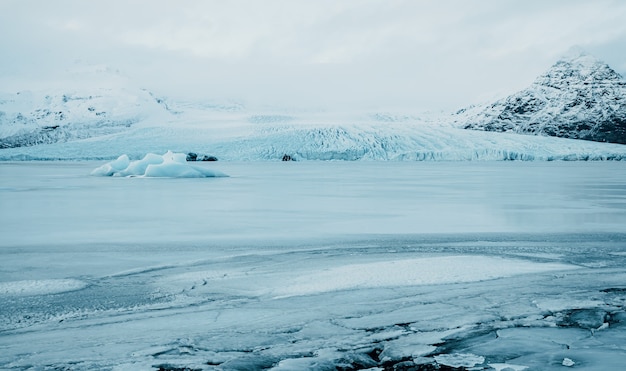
[442,54]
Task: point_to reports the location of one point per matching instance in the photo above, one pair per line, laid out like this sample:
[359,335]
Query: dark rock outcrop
[208,158]
[191,156]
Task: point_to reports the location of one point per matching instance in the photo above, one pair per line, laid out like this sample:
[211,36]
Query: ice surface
[459,360]
[410,272]
[507,367]
[322,265]
[40,287]
[169,165]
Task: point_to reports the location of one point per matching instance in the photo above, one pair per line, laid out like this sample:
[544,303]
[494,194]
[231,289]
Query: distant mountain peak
[577,67]
[579,97]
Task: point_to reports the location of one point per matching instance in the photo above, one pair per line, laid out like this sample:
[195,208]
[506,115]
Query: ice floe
[169,165]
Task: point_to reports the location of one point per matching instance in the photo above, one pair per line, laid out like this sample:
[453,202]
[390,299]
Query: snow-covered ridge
[579,97]
[30,118]
[84,102]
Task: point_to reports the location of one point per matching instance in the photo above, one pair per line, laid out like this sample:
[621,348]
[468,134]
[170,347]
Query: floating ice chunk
[568,362]
[169,165]
[121,163]
[113,167]
[40,287]
[175,170]
[137,168]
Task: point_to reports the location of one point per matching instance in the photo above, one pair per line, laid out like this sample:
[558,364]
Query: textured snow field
[315,265]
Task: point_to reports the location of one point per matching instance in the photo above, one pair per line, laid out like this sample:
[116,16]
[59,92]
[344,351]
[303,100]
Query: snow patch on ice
[562,304]
[169,165]
[507,367]
[460,360]
[40,287]
[409,272]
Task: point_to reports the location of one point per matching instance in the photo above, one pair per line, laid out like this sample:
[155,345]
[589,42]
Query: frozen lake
[315,265]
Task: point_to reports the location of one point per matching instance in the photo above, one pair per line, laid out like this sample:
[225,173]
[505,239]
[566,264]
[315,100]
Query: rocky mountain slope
[579,97]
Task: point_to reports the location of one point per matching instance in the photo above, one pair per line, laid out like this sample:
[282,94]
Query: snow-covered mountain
[111,117]
[579,97]
[86,103]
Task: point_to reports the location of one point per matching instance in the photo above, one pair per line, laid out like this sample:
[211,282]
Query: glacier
[351,137]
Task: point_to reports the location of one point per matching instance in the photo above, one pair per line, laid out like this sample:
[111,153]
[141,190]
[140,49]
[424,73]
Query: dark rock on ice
[191,156]
[174,368]
[614,290]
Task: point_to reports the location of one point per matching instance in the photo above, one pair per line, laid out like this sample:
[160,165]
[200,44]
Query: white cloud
[419,53]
